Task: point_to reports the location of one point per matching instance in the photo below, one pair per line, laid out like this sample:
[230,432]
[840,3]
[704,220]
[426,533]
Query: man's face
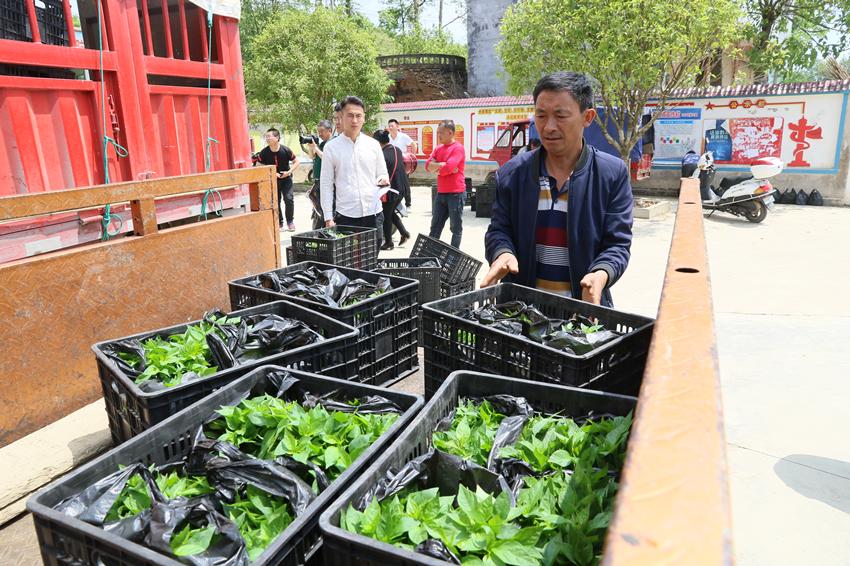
[324,133]
[392,127]
[338,121]
[445,135]
[271,138]
[560,121]
[353,118]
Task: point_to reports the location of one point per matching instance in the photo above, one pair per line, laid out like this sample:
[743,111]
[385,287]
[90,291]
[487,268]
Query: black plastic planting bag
[94,503]
[167,519]
[789,197]
[801,198]
[253,337]
[815,198]
[434,469]
[359,290]
[371,404]
[436,549]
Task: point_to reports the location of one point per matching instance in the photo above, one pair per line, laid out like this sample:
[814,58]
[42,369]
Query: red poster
[753,138]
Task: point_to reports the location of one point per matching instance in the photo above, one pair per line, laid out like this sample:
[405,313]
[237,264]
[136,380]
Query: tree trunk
[415,14]
[440,14]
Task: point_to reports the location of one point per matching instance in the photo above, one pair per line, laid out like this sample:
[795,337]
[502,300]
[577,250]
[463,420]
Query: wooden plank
[144,216]
[20,206]
[673,502]
[55,306]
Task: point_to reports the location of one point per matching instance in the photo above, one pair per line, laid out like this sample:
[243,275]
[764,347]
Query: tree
[420,40]
[255,15]
[295,85]
[635,49]
[790,35]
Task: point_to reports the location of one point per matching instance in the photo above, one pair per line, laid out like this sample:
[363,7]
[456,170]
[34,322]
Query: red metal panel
[146,18]
[69,23]
[36,33]
[184,33]
[166,23]
[236,115]
[178,68]
[24,53]
[16,111]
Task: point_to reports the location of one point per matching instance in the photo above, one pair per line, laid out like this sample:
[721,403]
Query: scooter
[750,196]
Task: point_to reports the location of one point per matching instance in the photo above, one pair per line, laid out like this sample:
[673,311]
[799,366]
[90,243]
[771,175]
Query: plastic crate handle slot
[388,308]
[121,412]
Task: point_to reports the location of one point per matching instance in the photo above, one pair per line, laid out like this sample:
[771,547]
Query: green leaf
[517,554]
[189,541]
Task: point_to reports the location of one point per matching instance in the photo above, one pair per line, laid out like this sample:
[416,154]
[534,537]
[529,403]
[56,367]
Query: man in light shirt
[399,139]
[353,169]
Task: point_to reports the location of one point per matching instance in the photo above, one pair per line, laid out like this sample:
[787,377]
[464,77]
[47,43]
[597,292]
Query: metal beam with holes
[673,503]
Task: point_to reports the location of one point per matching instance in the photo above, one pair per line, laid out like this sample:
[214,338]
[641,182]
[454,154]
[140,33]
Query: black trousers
[390,218]
[285,200]
[374,221]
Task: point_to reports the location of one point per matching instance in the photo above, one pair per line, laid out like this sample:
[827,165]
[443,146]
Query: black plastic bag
[815,198]
[789,196]
[569,336]
[167,519]
[253,337]
[436,549]
[370,404]
[359,290]
[434,469]
[93,504]
[801,198]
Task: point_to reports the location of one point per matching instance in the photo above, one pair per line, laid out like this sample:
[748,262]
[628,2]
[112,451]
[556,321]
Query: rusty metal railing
[673,506]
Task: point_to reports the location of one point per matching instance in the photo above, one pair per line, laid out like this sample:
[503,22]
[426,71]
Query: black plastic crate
[344,548]
[289,260]
[452,343]
[485,194]
[458,267]
[388,324]
[358,249]
[457,289]
[51,22]
[14,23]
[484,210]
[412,268]
[132,411]
[66,540]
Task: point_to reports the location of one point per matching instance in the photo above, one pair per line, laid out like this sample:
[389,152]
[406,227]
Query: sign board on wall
[802,130]
[477,128]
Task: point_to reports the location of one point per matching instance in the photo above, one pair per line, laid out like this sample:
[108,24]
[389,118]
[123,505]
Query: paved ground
[782,315]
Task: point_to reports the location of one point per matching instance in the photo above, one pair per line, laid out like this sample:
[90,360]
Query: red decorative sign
[800,132]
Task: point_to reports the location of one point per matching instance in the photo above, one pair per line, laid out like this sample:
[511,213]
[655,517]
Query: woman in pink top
[448,161]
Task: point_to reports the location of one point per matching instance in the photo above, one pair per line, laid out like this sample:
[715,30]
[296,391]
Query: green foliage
[472,432]
[192,540]
[422,40]
[560,517]
[261,517]
[267,427]
[303,62]
[169,359]
[135,497]
[633,49]
[477,528]
[557,443]
[789,37]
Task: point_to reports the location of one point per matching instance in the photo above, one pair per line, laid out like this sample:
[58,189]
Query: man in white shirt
[399,139]
[353,169]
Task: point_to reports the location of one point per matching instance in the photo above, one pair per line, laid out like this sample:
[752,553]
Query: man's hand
[329,223]
[592,286]
[504,264]
[383,181]
[434,166]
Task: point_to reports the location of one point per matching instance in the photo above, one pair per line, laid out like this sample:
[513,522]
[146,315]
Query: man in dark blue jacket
[562,216]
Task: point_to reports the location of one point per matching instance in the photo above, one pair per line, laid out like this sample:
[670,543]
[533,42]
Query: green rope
[214,193]
[210,140]
[120,150]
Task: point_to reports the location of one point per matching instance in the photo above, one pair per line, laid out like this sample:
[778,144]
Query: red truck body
[155,69]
